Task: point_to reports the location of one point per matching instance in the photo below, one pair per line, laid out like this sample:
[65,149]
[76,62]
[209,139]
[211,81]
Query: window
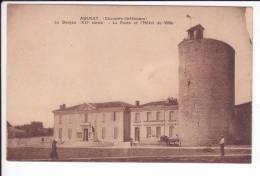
[60,133]
[171,131]
[70,119]
[148,132]
[103,133]
[114,116]
[69,133]
[115,133]
[85,117]
[158,115]
[60,119]
[103,117]
[79,134]
[158,132]
[149,116]
[137,117]
[172,116]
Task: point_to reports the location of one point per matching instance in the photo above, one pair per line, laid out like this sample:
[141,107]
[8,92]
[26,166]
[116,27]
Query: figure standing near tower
[222,145]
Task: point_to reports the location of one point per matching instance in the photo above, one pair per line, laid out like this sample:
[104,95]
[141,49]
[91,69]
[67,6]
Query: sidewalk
[200,156]
[138,153]
[231,147]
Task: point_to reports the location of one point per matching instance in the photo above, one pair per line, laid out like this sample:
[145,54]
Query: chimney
[137,103]
[63,106]
[169,99]
[172,100]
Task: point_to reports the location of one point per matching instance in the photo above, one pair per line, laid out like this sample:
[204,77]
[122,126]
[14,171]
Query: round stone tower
[206,88]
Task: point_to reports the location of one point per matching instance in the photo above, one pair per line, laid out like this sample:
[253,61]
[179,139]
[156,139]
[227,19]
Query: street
[134,154]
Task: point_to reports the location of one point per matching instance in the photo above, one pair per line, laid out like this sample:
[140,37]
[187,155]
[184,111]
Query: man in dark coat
[54,154]
[222,145]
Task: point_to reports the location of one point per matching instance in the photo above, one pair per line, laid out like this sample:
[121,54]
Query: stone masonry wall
[206,90]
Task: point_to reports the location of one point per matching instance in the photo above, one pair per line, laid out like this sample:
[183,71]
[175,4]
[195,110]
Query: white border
[70,168]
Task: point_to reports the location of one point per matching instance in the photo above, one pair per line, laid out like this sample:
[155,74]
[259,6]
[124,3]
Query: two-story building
[152,120]
[108,121]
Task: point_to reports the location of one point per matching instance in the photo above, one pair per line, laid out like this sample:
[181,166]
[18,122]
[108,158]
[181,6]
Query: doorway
[85,135]
[137,134]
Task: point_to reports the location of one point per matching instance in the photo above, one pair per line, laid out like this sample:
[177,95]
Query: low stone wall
[42,141]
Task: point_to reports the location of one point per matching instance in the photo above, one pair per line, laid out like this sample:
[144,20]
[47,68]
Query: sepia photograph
[117,83]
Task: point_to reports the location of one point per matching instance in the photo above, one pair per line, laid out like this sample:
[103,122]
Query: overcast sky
[50,64]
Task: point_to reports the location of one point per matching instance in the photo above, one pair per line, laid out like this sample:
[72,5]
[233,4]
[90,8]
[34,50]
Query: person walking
[131,142]
[54,154]
[222,145]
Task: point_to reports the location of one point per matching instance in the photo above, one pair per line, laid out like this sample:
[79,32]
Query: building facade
[152,120]
[93,122]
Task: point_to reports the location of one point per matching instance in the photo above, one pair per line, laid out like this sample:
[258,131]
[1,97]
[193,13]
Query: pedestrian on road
[54,154]
[131,142]
[222,145]
[178,139]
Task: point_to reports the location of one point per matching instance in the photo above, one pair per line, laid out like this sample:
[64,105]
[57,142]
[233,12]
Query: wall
[164,123]
[206,90]
[242,124]
[73,123]
[97,119]
[109,126]
[127,125]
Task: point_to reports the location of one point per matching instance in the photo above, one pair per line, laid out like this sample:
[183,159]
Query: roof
[8,124]
[159,103]
[71,108]
[198,26]
[15,130]
[244,104]
[111,104]
[95,106]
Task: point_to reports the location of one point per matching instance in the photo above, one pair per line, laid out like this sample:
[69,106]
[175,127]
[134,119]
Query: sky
[50,64]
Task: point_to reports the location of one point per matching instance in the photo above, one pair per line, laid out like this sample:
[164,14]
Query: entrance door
[137,134]
[85,135]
